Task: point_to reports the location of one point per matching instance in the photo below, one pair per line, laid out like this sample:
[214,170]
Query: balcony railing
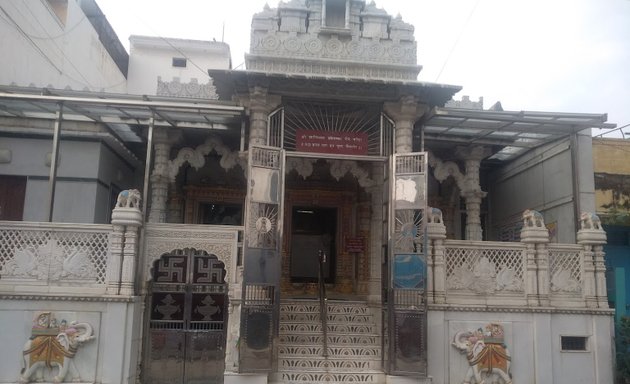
[53,257]
[531,273]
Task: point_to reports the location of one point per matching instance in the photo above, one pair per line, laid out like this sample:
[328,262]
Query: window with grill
[179,62]
[573,343]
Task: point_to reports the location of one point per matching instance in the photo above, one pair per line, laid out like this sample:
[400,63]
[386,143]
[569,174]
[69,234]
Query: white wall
[110,358]
[533,340]
[39,50]
[152,57]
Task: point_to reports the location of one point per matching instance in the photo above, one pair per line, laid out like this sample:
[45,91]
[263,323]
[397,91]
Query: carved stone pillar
[130,253]
[467,182]
[160,176]
[175,212]
[234,324]
[114,259]
[375,241]
[405,113]
[542,263]
[590,290]
[126,220]
[536,236]
[473,214]
[260,104]
[471,191]
[600,276]
[436,272]
[592,237]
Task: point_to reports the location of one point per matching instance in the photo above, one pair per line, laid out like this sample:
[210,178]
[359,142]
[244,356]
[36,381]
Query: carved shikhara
[296,39]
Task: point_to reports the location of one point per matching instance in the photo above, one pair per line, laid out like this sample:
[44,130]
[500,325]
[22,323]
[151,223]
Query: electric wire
[461,32]
[29,37]
[178,50]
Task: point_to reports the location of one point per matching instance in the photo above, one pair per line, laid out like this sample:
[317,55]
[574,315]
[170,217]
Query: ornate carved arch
[221,242]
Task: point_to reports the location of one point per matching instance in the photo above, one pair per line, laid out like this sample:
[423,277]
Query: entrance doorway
[313,232]
[187,317]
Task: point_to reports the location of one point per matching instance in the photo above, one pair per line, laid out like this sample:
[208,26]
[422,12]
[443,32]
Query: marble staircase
[354,343]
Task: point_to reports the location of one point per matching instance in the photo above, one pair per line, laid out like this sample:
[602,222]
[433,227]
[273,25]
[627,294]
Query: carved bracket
[196,157]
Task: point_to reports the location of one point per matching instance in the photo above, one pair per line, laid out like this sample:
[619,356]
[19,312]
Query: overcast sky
[535,55]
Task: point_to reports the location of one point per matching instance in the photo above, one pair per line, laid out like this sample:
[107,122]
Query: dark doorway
[313,231]
[12,192]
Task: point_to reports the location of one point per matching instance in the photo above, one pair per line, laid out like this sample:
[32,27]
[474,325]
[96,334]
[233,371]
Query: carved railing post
[114,259]
[592,238]
[126,220]
[436,273]
[536,236]
[234,323]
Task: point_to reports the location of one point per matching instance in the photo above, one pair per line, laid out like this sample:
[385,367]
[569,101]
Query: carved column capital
[405,112]
[259,103]
[259,99]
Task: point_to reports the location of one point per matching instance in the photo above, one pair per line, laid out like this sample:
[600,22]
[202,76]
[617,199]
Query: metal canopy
[514,131]
[118,110]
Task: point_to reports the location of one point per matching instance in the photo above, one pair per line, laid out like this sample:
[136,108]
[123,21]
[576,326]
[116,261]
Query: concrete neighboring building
[62,44]
[612,192]
[174,67]
[321,217]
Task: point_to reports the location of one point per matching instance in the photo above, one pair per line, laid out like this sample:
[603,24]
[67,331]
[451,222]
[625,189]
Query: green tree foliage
[623,350]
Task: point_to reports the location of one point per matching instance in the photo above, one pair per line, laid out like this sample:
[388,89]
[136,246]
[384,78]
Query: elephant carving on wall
[486,353]
[52,348]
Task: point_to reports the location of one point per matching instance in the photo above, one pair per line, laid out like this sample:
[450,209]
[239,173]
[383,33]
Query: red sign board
[341,143]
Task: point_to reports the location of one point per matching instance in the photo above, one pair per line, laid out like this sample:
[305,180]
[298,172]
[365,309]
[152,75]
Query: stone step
[336,364]
[336,307]
[342,339]
[328,377]
[332,317]
[332,329]
[354,352]
[313,351]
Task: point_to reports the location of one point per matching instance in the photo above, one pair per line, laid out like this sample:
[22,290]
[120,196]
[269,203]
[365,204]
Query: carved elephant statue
[533,219]
[591,221]
[129,198]
[49,351]
[484,358]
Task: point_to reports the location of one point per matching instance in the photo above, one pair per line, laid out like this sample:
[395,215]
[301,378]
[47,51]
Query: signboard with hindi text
[341,143]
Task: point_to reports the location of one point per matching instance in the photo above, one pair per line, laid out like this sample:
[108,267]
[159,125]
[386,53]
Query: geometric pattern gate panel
[186,319]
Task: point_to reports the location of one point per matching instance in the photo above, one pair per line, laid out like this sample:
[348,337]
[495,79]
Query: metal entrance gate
[186,330]
[406,299]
